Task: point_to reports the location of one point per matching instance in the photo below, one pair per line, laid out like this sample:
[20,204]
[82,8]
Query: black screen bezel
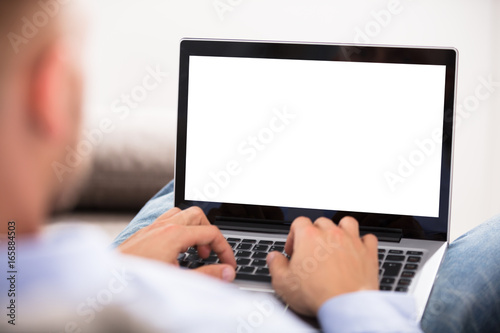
[427,228]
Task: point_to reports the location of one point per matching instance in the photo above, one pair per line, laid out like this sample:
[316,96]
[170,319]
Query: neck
[23,223]
[22,201]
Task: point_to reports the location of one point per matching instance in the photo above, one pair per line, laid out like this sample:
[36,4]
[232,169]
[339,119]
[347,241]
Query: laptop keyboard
[397,268]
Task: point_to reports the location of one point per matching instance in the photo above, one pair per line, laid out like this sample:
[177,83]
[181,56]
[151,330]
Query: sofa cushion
[133,161]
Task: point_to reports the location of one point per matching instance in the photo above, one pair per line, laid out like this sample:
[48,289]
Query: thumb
[278,266]
[221,272]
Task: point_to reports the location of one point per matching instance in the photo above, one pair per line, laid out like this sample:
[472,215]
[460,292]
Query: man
[465,297]
[67,281]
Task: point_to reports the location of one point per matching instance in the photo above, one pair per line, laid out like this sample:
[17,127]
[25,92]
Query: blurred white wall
[495,121]
[129,35]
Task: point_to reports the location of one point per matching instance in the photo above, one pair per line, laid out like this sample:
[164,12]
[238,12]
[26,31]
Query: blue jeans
[159,204]
[466,294]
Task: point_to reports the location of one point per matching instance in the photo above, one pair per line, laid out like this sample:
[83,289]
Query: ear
[49,93]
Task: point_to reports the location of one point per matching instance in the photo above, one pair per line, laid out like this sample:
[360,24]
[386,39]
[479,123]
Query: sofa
[128,166]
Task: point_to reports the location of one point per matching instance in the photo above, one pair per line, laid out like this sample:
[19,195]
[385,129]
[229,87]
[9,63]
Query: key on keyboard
[396,267]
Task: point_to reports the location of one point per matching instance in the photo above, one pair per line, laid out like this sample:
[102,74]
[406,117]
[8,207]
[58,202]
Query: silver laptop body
[269,131]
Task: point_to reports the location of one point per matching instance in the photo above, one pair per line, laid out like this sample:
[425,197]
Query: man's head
[40,97]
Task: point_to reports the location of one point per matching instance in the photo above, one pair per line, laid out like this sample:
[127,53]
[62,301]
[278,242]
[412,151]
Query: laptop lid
[271,131]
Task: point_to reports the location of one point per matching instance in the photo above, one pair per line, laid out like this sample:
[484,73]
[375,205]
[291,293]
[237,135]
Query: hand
[174,232]
[326,261]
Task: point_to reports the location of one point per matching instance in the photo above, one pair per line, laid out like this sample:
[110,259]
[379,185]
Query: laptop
[270,131]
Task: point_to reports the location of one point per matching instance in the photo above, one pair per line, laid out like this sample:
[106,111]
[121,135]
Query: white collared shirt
[70,273]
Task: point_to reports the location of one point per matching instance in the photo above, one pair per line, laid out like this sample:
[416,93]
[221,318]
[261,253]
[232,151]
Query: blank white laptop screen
[329,135]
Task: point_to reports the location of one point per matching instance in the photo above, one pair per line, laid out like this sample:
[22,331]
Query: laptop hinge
[273,227]
[383,234]
[252,225]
